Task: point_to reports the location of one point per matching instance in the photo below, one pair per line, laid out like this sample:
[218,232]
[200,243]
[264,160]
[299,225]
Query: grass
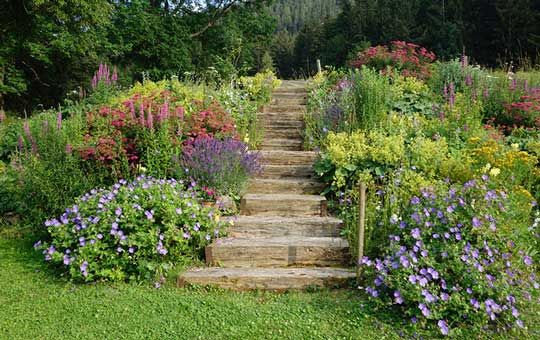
[38,305]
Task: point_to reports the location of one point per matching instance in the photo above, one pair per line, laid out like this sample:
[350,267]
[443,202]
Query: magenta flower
[59,121]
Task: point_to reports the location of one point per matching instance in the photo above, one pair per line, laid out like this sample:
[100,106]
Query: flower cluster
[408,59]
[103,76]
[224,165]
[451,261]
[133,230]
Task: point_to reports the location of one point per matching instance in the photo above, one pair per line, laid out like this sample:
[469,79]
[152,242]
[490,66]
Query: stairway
[283,238]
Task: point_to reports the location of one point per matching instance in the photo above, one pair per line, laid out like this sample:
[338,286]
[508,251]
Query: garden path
[283,238]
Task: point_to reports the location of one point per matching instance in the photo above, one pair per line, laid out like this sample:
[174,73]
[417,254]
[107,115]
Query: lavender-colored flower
[415,233]
[423,308]
[149,214]
[527,260]
[443,327]
[397,297]
[476,222]
[118,211]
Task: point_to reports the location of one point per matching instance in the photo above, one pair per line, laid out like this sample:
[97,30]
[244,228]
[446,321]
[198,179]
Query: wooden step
[284,108]
[271,226]
[287,132]
[287,124]
[272,279]
[283,205]
[279,116]
[282,144]
[290,89]
[281,157]
[284,185]
[278,251]
[286,171]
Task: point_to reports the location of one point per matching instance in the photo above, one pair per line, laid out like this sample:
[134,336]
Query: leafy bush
[132,231]
[451,263]
[224,165]
[407,59]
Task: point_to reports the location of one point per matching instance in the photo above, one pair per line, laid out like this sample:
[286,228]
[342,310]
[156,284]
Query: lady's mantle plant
[451,263]
[131,231]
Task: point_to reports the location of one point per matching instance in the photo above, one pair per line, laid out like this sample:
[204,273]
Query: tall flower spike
[114,75]
[27,130]
[94,82]
[142,121]
[59,121]
[150,118]
[20,143]
[100,72]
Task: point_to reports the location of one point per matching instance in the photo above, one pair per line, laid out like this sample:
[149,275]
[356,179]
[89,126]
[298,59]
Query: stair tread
[281,241]
[283,197]
[244,221]
[270,272]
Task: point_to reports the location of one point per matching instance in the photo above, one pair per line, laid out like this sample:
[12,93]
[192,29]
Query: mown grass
[37,305]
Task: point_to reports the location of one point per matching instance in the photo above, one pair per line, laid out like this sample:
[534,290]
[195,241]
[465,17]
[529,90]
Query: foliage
[463,229]
[405,58]
[131,231]
[224,165]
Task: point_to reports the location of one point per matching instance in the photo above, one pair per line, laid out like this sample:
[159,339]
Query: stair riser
[286,171]
[276,256]
[279,188]
[283,133]
[284,229]
[284,108]
[276,158]
[288,101]
[287,124]
[282,208]
[290,90]
[280,117]
[270,279]
[275,147]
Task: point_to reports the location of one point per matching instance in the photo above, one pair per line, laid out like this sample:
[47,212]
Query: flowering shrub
[224,165]
[451,262]
[131,231]
[209,122]
[407,59]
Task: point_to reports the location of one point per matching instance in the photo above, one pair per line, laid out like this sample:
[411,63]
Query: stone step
[281,157]
[271,226]
[284,108]
[282,144]
[278,251]
[284,185]
[271,279]
[286,171]
[283,205]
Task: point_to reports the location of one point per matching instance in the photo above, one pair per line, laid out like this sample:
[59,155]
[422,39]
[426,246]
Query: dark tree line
[48,49]
[492,32]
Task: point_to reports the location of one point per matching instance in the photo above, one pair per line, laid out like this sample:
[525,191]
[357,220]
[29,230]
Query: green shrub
[451,263]
[131,231]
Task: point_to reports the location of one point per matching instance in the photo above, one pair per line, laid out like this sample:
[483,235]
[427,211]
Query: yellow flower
[486,168]
[495,171]
[515,146]
[231,222]
[216,218]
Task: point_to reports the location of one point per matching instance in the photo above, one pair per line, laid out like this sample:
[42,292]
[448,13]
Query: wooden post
[319,68]
[361,225]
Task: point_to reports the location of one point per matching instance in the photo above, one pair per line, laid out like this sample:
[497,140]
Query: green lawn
[36,305]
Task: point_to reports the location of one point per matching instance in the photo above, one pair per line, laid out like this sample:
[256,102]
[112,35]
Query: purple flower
[527,260]
[423,308]
[118,211]
[131,250]
[415,200]
[415,233]
[476,222]
[397,297]
[443,327]
[149,214]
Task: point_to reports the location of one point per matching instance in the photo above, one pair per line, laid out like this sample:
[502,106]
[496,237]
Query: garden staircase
[283,238]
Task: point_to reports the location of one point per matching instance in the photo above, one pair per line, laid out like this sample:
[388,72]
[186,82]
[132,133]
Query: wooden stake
[361,224]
